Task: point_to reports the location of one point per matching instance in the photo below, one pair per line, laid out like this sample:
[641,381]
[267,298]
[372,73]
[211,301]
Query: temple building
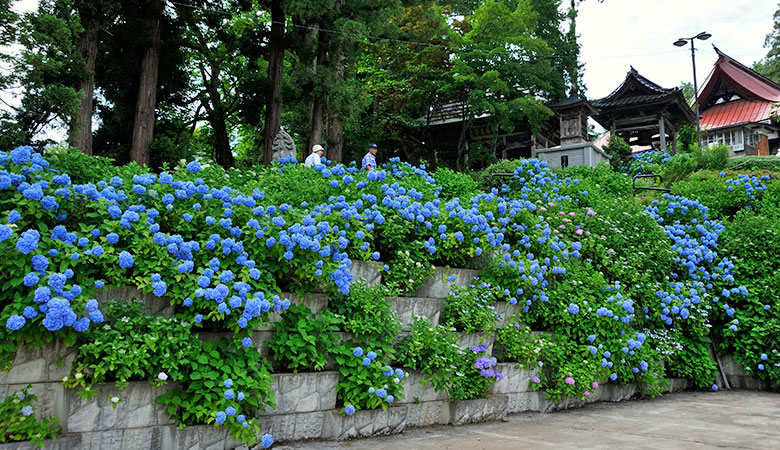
[737,107]
[643,113]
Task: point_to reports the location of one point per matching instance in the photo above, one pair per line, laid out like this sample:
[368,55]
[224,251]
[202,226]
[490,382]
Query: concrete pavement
[687,420]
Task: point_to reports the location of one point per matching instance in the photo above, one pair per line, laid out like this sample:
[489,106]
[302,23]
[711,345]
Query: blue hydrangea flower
[221,416]
[349,410]
[357,352]
[14,322]
[125,260]
[267,440]
[194,167]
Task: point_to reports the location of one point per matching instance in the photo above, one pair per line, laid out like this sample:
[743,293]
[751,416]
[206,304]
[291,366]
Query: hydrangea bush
[619,286]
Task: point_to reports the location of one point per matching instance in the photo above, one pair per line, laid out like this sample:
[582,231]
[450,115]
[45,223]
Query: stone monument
[283,145]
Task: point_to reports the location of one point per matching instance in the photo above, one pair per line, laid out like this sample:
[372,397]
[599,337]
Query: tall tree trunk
[273,108]
[80,133]
[216,118]
[317,122]
[335,128]
[143,121]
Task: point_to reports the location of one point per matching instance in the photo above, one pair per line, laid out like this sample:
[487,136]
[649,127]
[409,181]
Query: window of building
[733,138]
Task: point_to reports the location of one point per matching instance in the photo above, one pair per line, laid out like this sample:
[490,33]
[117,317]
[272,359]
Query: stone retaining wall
[306,403]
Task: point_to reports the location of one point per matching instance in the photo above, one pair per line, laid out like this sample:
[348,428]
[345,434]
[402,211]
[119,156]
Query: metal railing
[648,188]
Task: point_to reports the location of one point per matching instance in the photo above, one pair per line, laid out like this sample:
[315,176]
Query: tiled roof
[754,85]
[736,112]
[635,89]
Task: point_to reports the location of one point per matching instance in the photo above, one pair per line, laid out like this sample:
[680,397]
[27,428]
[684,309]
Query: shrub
[619,150]
[367,313]
[132,346]
[18,421]
[302,340]
[454,184]
[433,351]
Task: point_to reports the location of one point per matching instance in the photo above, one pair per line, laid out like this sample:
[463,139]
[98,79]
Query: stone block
[197,437]
[49,363]
[479,410]
[315,302]
[438,286]
[373,422]
[137,408]
[528,401]
[303,392]
[414,392]
[617,393]
[61,443]
[751,383]
[295,427]
[505,310]
[677,384]
[369,271]
[52,401]
[144,437]
[153,305]
[424,414]
[408,308]
[730,366]
[467,340]
[516,379]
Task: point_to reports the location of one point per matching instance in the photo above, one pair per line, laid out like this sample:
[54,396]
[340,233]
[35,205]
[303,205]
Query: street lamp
[680,43]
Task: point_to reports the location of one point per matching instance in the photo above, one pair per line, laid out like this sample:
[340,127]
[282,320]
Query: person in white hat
[315,159]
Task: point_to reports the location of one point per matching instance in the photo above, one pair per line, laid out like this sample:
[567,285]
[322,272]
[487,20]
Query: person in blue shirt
[369,161]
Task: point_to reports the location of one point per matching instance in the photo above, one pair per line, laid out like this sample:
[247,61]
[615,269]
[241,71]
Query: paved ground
[689,420]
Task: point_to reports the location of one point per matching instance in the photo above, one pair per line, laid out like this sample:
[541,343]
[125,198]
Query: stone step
[439,285]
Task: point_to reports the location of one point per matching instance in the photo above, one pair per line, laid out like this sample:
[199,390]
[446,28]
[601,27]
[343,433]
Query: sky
[617,34]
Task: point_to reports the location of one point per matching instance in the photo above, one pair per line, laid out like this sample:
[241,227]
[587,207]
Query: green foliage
[771,163]
[600,182]
[714,158]
[516,343]
[454,184]
[619,150]
[302,339]
[81,168]
[433,351]
[408,270]
[367,313]
[686,136]
[358,383]
[132,346]
[198,400]
[694,361]
[482,177]
[469,382]
[678,167]
[472,309]
[18,422]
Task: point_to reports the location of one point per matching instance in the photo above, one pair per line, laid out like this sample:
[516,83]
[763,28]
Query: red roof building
[736,105]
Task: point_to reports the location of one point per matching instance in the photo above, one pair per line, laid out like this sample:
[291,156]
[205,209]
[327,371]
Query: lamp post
[680,43]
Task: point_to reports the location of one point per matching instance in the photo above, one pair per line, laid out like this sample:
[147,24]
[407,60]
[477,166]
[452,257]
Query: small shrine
[644,113]
[575,150]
